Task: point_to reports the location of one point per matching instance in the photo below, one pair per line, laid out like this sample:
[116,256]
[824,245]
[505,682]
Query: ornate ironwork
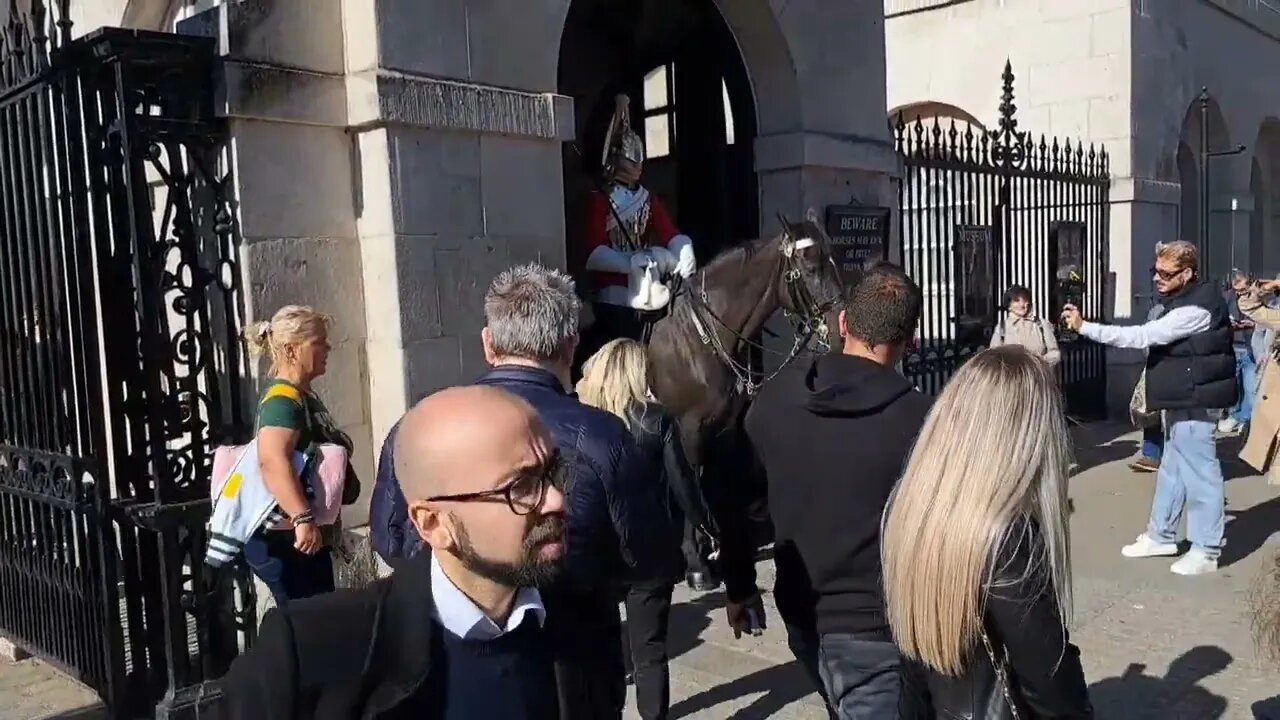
[119,366]
[1009,199]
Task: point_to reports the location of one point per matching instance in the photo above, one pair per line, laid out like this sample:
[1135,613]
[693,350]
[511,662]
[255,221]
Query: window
[728,114]
[660,111]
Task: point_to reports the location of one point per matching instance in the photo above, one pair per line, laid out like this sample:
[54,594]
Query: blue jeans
[863,677]
[1247,379]
[1153,442]
[288,573]
[1191,478]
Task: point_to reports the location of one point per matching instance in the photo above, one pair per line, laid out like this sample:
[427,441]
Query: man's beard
[531,570]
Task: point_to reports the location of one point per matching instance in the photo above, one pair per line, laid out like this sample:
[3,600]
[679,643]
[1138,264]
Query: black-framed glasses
[524,493]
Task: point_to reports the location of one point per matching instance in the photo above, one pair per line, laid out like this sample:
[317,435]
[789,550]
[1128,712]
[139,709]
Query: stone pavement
[1155,645]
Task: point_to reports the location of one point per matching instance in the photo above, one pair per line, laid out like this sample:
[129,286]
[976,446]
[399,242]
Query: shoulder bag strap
[1001,671]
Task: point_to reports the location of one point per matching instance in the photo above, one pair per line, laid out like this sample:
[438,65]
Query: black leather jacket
[658,442]
[1023,623]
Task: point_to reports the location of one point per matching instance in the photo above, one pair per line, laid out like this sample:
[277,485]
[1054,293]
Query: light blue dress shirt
[463,618]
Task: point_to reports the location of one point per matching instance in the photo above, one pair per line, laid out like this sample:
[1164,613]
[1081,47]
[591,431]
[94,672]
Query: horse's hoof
[701,582]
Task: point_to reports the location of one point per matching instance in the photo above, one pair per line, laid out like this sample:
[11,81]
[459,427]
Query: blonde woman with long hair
[976,547]
[615,379]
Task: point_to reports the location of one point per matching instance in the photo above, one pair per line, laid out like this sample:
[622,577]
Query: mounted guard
[632,243]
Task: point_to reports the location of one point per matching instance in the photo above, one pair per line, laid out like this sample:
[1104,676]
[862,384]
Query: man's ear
[431,525]
[843,324]
[486,340]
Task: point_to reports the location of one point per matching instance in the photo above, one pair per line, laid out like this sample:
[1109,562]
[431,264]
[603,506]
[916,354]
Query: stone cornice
[382,97]
[893,8]
[1261,15]
[1145,190]
[810,149]
[378,98]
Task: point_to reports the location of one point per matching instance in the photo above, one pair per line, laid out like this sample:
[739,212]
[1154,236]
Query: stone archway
[817,74]
[1216,249]
[691,101]
[929,109]
[1264,235]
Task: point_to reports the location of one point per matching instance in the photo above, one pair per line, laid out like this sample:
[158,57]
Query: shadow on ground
[1249,529]
[781,685]
[1099,444]
[1178,694]
[1268,709]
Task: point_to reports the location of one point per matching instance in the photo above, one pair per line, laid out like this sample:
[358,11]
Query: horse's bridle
[806,326]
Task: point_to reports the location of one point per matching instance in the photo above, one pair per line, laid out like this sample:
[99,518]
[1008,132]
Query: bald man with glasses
[456,632]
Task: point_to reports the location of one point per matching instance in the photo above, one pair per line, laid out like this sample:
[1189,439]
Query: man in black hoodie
[832,436]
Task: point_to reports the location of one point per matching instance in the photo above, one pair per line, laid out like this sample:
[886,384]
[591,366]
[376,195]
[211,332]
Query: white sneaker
[1146,547]
[1228,425]
[1195,562]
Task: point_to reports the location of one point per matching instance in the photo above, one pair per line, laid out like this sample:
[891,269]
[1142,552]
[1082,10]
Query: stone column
[818,72]
[283,94]
[457,136]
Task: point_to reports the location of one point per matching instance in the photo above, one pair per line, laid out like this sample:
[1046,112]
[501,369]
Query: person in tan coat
[1019,326]
[1264,423]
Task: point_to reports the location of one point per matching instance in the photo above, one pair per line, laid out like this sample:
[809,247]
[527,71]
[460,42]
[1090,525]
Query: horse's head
[809,286]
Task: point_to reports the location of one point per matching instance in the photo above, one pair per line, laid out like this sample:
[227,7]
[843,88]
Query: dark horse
[698,351]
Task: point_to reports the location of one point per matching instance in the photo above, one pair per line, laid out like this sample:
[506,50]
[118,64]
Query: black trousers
[648,617]
[587,632]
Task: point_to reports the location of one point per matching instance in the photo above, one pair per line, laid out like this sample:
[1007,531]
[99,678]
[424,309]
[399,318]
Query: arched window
[660,111]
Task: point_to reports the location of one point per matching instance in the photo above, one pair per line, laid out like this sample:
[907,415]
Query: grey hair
[531,312]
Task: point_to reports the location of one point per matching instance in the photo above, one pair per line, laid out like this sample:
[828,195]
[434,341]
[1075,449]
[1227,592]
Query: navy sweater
[511,677]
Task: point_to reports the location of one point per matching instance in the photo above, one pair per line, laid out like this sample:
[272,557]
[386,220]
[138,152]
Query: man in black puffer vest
[1191,373]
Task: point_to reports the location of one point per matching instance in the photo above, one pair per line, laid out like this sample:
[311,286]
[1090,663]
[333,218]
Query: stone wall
[1121,73]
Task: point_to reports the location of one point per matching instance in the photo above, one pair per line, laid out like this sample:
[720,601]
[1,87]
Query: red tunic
[659,232]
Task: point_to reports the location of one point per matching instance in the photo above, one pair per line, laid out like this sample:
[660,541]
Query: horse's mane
[743,252]
[739,254]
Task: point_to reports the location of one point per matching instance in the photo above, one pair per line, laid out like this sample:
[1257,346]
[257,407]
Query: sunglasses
[1164,274]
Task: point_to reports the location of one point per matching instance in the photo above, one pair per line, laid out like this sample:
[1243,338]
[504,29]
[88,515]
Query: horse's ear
[812,216]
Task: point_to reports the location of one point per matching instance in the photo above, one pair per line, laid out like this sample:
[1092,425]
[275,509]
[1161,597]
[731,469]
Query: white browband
[803,243]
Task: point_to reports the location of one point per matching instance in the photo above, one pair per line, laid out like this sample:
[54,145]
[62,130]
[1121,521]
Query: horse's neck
[748,294]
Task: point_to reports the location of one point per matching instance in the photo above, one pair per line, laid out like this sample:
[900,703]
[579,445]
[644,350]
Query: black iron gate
[985,209]
[118,372]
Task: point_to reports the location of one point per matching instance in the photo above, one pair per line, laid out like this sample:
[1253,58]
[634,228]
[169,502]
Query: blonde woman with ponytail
[295,563]
[976,548]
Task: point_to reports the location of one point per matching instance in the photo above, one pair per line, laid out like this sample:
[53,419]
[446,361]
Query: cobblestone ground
[1155,645]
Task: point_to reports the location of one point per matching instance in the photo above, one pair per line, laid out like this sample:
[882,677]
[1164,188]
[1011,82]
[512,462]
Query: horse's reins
[810,323]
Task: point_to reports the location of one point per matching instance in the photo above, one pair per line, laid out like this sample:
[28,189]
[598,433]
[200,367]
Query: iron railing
[981,210]
[118,367]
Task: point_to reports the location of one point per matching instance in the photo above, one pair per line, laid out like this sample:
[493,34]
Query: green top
[288,406]
[285,405]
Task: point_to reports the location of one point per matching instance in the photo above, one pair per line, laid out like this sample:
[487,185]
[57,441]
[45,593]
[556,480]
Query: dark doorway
[691,101]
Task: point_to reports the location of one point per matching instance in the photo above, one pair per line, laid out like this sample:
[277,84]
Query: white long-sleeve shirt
[1169,328]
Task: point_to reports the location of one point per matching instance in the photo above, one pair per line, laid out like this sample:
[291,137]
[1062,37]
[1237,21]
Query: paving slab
[1154,644]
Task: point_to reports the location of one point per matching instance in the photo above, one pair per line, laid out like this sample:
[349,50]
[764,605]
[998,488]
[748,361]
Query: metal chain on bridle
[807,325]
